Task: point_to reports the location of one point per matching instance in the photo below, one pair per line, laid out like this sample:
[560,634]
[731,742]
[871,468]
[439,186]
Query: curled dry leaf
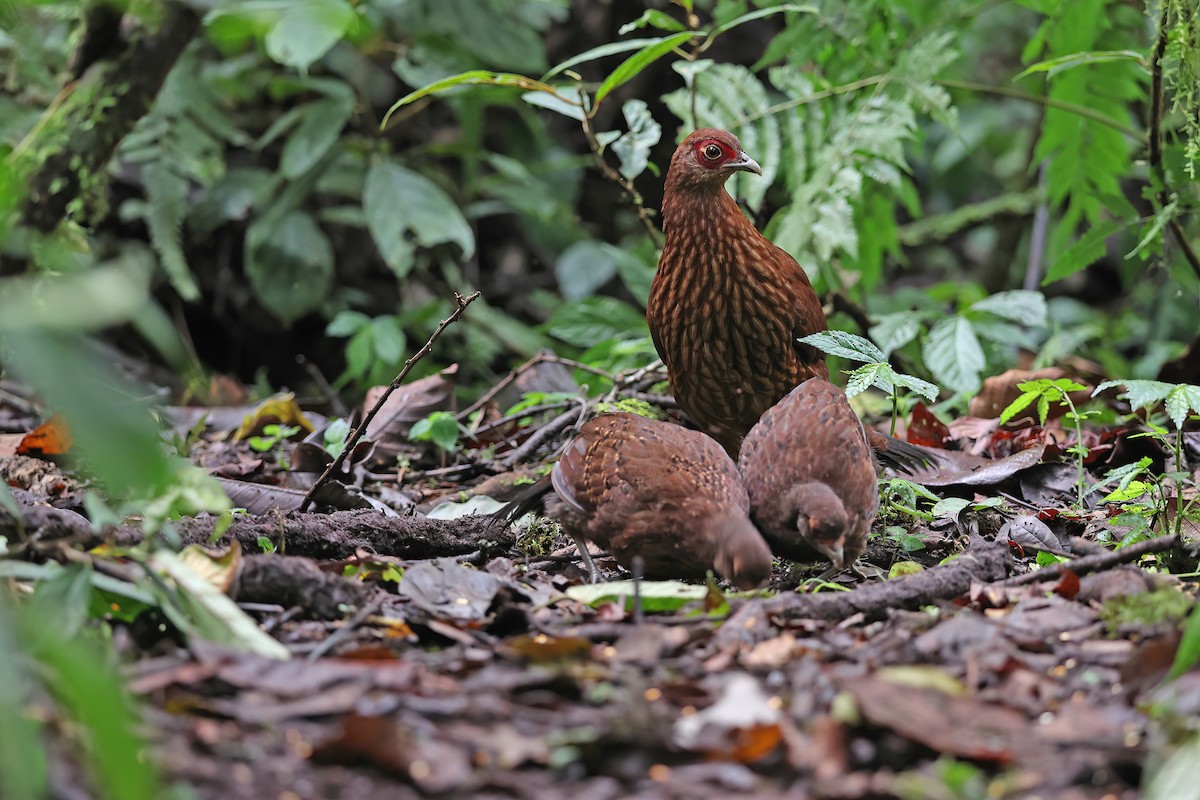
[408,404]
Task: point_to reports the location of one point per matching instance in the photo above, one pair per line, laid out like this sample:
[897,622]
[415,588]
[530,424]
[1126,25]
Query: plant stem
[644,214]
[1079,449]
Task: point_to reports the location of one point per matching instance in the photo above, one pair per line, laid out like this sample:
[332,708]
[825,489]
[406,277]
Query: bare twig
[358,432]
[1156,159]
[540,358]
[543,434]
[1098,562]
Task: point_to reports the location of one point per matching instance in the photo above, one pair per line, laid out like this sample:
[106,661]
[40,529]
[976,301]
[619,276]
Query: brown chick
[811,479]
[639,487]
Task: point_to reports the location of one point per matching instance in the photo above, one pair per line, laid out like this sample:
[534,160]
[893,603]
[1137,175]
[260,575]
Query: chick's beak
[745,163]
[834,551]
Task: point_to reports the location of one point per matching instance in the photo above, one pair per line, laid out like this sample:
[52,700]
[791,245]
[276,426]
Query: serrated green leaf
[846,345]
[866,376]
[1018,405]
[953,354]
[893,331]
[638,62]
[1089,249]
[1140,393]
[583,323]
[912,383]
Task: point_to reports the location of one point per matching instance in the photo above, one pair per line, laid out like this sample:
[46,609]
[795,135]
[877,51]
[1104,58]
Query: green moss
[629,405]
[1148,608]
[540,538]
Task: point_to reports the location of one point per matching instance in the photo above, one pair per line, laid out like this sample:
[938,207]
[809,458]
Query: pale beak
[834,552]
[745,164]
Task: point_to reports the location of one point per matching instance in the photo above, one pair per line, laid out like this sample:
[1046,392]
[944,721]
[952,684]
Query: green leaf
[633,147]
[1140,393]
[555,102]
[760,13]
[653,18]
[584,267]
[399,202]
[583,323]
[846,345]
[655,595]
[1025,307]
[866,376]
[346,323]
[388,339]
[166,195]
[1017,406]
[1188,654]
[307,30]
[1183,398]
[953,354]
[291,269]
[1053,66]
[893,331]
[610,49]
[915,384]
[478,77]
[440,427]
[1089,249]
[318,131]
[638,62]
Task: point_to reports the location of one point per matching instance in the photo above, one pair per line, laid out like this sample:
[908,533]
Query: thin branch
[1049,102]
[1156,159]
[1098,562]
[358,432]
[644,214]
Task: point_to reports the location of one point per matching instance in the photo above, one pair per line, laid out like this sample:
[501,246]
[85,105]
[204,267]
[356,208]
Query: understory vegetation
[272,206]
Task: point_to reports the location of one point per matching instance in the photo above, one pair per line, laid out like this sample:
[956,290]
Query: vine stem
[361,429]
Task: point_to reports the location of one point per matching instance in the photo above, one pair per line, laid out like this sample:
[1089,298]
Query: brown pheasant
[811,479]
[638,487]
[727,306]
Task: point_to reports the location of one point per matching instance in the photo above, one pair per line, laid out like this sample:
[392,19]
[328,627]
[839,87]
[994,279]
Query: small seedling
[439,428]
[875,370]
[271,436]
[1045,392]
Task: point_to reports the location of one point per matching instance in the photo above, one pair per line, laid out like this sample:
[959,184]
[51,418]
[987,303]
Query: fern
[1085,160]
[1182,72]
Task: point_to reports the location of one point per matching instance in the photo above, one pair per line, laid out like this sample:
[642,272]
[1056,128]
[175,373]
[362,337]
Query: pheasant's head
[706,159]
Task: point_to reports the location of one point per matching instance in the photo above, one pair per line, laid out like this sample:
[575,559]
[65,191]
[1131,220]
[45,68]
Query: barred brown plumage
[727,306]
[808,470]
[639,487]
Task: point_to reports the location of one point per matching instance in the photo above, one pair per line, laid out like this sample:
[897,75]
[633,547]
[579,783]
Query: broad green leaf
[346,323]
[1180,401]
[478,77]
[1089,249]
[317,132]
[846,345]
[1025,307]
[78,302]
[1140,393]
[291,269]
[760,13]
[400,203]
[388,339]
[583,323]
[584,267]
[307,30]
[655,19]
[638,62]
[633,147]
[953,354]
[440,427]
[949,506]
[1053,66]
[893,331]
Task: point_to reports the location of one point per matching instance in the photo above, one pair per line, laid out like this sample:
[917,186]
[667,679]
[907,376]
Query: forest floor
[995,646]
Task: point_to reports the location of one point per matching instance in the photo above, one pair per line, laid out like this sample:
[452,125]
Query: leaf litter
[453,657]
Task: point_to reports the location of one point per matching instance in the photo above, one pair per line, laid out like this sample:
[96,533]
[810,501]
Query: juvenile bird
[727,306]
[639,487]
[808,469]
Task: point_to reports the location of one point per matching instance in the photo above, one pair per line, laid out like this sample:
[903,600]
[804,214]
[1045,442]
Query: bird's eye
[712,152]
